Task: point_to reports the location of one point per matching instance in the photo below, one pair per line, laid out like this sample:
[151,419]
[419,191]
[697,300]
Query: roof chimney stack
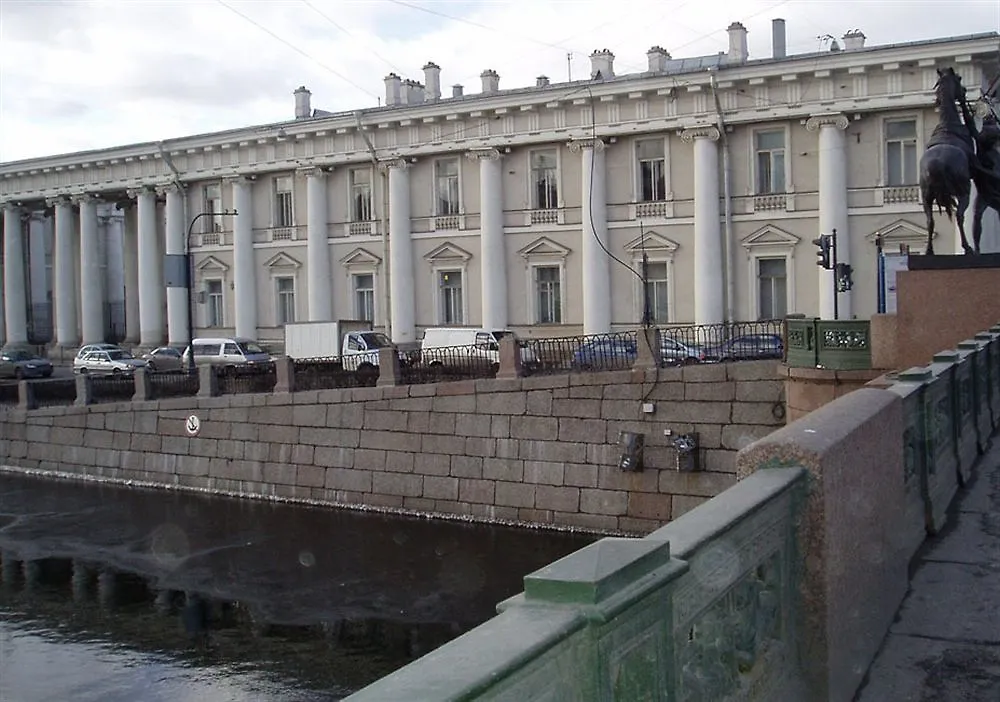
[303,103]
[432,79]
[541,81]
[491,80]
[854,40]
[778,46]
[457,91]
[737,43]
[658,58]
[413,92]
[393,90]
[602,65]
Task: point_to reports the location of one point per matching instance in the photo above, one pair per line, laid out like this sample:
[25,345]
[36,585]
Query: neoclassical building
[530,208]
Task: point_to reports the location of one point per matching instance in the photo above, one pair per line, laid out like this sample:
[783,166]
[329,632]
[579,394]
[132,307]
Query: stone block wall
[537,450]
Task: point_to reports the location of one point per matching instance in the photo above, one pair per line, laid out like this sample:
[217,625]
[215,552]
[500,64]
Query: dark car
[676,353]
[749,347]
[606,353]
[23,364]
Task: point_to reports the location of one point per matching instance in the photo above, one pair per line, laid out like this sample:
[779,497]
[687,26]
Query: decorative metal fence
[325,374]
[164,384]
[112,388]
[57,391]
[9,393]
[237,380]
[836,345]
[451,363]
[736,341]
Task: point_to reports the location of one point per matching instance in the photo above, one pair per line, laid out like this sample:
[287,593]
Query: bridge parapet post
[284,368]
[388,366]
[510,359]
[84,391]
[143,386]
[208,381]
[26,395]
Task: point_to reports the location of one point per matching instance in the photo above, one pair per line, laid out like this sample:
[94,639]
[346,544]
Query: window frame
[435,177]
[754,153]
[207,316]
[276,206]
[770,242]
[355,290]
[531,191]
[214,224]
[535,298]
[637,169]
[758,260]
[278,294]
[439,297]
[351,186]
[884,147]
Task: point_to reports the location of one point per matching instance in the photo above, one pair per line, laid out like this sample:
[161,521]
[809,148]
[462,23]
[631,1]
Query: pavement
[944,645]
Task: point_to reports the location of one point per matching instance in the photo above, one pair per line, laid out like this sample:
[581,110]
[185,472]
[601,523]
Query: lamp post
[190,281]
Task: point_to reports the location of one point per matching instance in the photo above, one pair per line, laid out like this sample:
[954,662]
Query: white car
[90,348]
[102,362]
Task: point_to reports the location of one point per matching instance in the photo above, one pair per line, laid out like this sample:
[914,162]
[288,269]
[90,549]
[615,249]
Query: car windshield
[249,347]
[376,340]
[19,355]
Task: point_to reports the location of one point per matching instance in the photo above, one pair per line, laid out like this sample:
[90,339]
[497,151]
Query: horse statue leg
[928,200]
[979,207]
[963,205]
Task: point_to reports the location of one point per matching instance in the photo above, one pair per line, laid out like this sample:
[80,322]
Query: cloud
[78,75]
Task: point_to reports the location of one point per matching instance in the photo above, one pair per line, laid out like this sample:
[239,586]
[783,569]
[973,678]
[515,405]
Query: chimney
[778,46]
[303,103]
[854,40]
[456,91]
[393,90]
[541,81]
[602,64]
[737,43]
[491,80]
[658,57]
[432,79]
[413,92]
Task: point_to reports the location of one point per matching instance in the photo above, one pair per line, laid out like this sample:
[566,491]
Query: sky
[88,74]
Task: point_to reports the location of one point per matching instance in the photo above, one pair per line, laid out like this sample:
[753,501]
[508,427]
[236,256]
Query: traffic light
[824,244]
[843,274]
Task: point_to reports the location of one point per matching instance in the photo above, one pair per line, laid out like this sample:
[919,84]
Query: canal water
[118,595]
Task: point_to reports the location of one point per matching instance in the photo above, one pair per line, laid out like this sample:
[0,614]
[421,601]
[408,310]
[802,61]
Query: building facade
[530,208]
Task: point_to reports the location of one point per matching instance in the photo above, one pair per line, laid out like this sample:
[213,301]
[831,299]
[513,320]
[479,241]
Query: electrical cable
[350,34]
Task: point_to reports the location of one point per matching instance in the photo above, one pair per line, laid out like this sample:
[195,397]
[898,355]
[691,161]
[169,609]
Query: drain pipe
[383,222]
[727,196]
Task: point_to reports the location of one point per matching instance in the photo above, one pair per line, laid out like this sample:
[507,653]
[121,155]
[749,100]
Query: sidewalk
[944,645]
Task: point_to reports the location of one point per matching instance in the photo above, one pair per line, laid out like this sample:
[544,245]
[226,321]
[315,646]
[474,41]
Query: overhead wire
[346,31]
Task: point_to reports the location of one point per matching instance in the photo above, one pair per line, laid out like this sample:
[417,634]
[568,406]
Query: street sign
[193,425]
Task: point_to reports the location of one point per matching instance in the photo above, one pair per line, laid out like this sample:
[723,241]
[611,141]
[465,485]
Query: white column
[91,279]
[318,248]
[151,270]
[130,262]
[709,268]
[493,256]
[402,291]
[64,287]
[174,245]
[244,265]
[596,262]
[15,283]
[832,204]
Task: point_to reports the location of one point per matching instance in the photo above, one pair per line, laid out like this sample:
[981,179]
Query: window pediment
[361,257]
[653,243]
[770,237]
[213,265]
[544,247]
[900,232]
[282,261]
[448,253]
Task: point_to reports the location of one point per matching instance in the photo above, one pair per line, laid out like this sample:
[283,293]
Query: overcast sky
[87,74]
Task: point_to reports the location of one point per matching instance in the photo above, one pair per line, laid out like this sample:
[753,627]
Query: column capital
[397,163]
[708,131]
[10,205]
[313,171]
[242,179]
[136,192]
[84,198]
[833,119]
[577,145]
[490,154]
[170,188]
[58,200]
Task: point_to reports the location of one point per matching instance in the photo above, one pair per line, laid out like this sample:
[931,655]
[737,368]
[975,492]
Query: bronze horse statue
[947,164]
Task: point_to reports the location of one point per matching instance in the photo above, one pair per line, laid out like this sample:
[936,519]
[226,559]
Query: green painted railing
[836,345]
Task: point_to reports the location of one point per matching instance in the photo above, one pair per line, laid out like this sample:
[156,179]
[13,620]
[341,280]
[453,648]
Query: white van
[438,346]
[227,352]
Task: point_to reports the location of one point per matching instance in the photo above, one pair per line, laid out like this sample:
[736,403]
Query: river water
[122,595]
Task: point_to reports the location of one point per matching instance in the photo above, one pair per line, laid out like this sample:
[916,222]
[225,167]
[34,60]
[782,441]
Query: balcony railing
[835,345]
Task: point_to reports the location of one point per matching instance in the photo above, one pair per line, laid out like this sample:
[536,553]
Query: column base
[62,352]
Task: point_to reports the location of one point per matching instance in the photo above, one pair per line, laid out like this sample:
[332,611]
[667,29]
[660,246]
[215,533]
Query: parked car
[748,347]
[90,348]
[605,353]
[462,345]
[165,358]
[227,352]
[676,353]
[22,364]
[105,362]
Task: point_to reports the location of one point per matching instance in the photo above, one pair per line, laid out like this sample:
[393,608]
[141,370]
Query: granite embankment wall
[536,449]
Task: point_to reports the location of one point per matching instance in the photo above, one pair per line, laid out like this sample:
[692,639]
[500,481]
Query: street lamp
[190,281]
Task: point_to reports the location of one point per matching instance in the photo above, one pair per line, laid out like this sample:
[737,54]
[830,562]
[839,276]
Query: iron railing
[323,374]
[835,345]
[616,351]
[238,380]
[736,341]
[9,394]
[56,391]
[112,388]
[164,384]
[451,363]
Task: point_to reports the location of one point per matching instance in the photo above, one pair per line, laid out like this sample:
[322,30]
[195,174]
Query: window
[772,280]
[284,214]
[215,312]
[656,292]
[361,195]
[286,300]
[212,197]
[901,152]
[450,296]
[544,180]
[770,147]
[652,170]
[548,297]
[446,187]
[364,296]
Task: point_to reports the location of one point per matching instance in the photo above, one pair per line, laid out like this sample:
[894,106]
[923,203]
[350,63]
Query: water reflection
[222,599]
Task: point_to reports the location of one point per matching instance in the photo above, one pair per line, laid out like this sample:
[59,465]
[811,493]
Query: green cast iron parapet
[834,345]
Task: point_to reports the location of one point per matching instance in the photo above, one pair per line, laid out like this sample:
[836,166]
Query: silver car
[21,364]
[107,363]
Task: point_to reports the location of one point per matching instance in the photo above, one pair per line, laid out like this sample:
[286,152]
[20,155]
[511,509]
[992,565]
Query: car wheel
[84,371]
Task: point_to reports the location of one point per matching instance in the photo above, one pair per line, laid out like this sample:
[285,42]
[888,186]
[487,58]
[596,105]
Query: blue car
[605,354]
